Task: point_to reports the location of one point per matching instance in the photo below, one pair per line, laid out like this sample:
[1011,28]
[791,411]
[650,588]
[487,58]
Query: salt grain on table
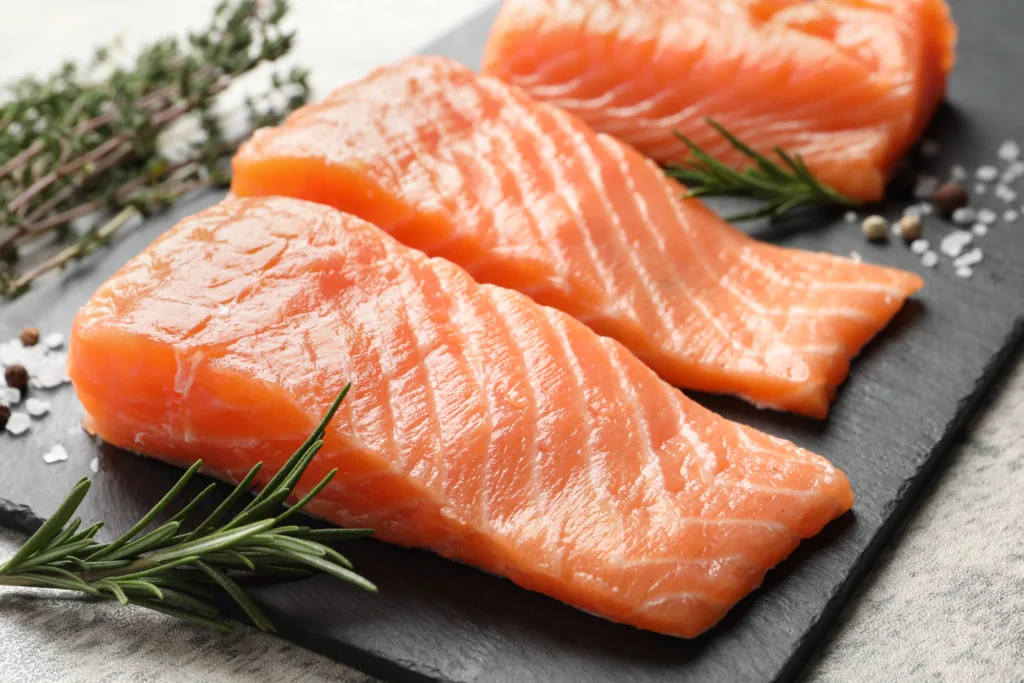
[18,423]
[971,258]
[1013,172]
[964,272]
[55,454]
[980,188]
[9,396]
[926,209]
[980,229]
[37,408]
[1010,216]
[850,217]
[953,244]
[87,615]
[987,216]
[54,340]
[958,172]
[929,259]
[94,464]
[986,174]
[919,246]
[964,216]
[1009,151]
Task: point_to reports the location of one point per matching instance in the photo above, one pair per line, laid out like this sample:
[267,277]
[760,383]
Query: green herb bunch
[177,572]
[87,139]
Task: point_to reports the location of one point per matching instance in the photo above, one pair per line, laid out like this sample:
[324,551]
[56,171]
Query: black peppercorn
[950,197]
[5,415]
[16,376]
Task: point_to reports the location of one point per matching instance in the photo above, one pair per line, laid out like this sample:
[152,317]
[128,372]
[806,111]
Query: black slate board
[894,420]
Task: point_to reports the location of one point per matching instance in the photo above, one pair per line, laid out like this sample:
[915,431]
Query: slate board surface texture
[908,395]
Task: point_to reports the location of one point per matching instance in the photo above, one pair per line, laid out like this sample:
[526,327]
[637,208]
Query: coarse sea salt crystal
[958,172]
[926,209]
[54,340]
[980,188]
[987,216]
[953,244]
[929,259]
[964,272]
[930,148]
[1008,151]
[850,216]
[964,215]
[55,454]
[856,257]
[980,229]
[986,174]
[11,352]
[913,210]
[925,186]
[9,396]
[1010,216]
[36,407]
[1013,172]
[18,423]
[94,465]
[919,246]
[1006,194]
[87,615]
[971,258]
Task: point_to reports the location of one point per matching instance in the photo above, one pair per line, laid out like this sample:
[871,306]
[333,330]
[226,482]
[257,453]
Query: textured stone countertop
[942,604]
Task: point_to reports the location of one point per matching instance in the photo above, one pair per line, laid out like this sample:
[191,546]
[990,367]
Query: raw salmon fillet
[482,425]
[526,196]
[847,84]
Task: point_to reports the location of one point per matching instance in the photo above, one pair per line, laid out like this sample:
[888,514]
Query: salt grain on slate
[926,209]
[925,186]
[850,217]
[958,172]
[37,408]
[1010,216]
[987,216]
[1005,193]
[1009,151]
[54,340]
[964,272]
[971,258]
[18,423]
[929,259]
[986,174]
[55,454]
[87,615]
[919,246]
[1013,172]
[9,396]
[964,216]
[953,244]
[913,210]
[94,465]
[980,230]
[980,188]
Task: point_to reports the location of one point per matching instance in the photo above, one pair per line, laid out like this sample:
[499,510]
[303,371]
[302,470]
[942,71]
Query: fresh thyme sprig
[782,187]
[177,572]
[92,139]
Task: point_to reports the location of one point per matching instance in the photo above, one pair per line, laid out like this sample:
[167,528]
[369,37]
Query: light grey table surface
[943,604]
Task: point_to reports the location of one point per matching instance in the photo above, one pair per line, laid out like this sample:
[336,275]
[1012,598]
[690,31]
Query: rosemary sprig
[782,187]
[177,572]
[92,139]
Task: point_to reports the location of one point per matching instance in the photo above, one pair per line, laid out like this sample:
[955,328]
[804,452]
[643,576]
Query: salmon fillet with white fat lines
[526,196]
[480,424]
[848,85]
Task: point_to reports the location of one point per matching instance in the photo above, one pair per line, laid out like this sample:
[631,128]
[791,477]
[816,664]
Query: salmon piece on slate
[480,424]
